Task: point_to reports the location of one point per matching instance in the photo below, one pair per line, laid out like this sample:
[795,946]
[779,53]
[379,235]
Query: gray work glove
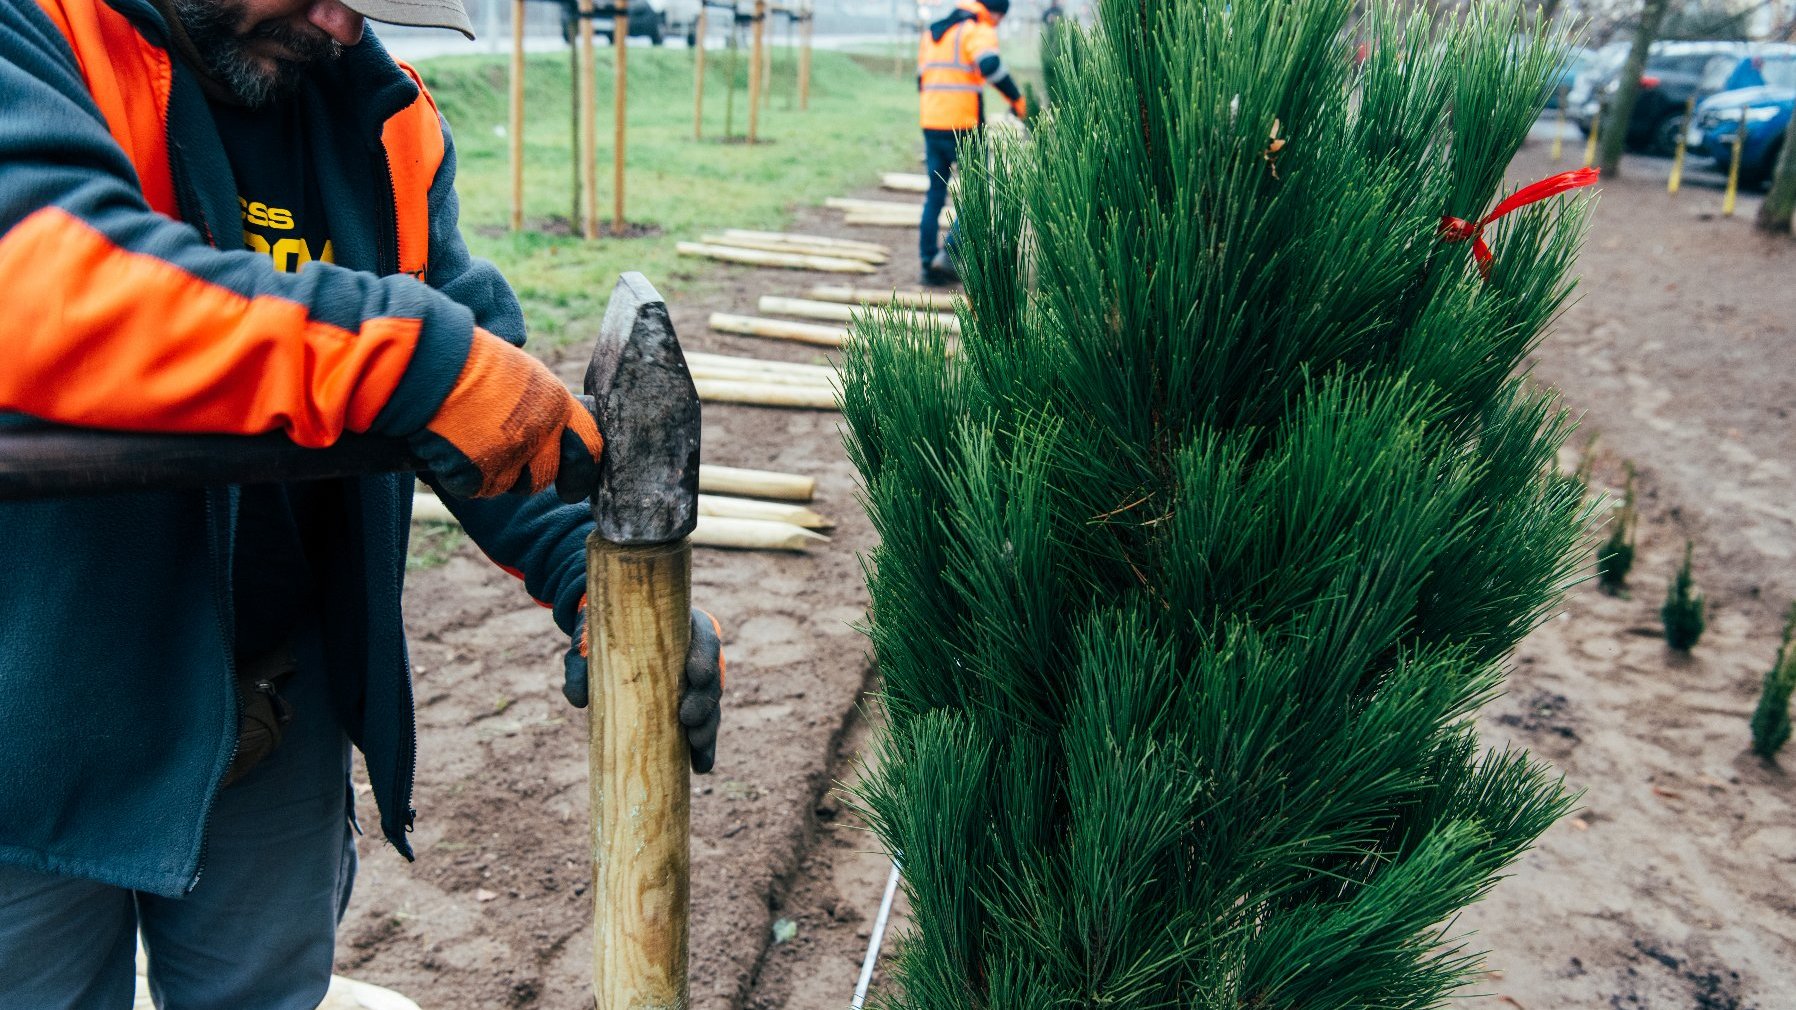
[701,697]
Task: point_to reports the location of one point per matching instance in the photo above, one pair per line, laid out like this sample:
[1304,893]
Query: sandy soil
[1671,888]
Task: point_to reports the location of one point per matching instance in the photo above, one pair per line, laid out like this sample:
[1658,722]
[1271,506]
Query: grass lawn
[860,122]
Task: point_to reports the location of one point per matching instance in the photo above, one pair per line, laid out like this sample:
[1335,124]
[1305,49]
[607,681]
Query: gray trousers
[257,933]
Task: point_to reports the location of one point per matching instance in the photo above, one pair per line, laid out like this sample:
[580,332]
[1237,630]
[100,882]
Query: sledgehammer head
[648,412]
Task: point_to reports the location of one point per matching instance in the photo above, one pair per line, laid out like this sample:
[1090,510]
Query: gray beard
[212,27]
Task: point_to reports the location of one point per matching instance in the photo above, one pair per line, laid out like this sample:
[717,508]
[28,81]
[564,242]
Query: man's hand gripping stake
[639,582]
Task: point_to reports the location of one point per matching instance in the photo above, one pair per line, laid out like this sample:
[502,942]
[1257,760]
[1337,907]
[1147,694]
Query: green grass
[859,123]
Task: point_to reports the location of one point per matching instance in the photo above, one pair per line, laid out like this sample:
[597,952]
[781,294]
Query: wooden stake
[752,534]
[575,190]
[698,76]
[816,240]
[787,261]
[839,312]
[766,511]
[907,182]
[734,480]
[765,394]
[797,380]
[872,206]
[841,252]
[638,616]
[779,329]
[1596,123]
[755,84]
[517,115]
[620,38]
[929,300]
[589,172]
[722,521]
[804,60]
[696,359]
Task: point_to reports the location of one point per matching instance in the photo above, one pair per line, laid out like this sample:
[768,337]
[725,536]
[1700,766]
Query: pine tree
[1771,720]
[1202,548]
[1682,613]
[1615,558]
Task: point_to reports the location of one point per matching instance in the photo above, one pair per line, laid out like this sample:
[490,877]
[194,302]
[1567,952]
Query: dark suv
[1675,71]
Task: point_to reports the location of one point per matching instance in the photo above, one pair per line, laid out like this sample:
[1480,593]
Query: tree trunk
[1780,202]
[1614,130]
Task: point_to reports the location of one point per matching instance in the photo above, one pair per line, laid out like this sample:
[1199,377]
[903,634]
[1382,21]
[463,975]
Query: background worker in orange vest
[956,58]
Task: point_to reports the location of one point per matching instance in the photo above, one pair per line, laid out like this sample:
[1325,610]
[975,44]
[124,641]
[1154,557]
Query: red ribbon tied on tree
[1455,229]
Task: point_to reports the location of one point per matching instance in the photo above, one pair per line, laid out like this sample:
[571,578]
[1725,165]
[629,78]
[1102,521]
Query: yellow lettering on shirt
[288,253]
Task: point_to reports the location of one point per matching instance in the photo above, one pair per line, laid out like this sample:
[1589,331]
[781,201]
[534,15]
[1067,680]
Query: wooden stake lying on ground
[787,261]
[812,309]
[802,248]
[779,329]
[765,394]
[871,206]
[728,373]
[754,534]
[750,527]
[907,182]
[698,359]
[931,300]
[817,240]
[731,480]
[725,507]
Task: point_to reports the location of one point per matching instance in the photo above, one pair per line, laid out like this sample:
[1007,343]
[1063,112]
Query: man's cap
[415,13]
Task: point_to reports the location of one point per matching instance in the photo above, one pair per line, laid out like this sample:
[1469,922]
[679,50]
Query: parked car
[1674,72]
[1576,62]
[646,21]
[1767,112]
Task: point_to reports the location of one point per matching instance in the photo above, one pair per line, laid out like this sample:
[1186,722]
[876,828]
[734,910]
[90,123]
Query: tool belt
[262,714]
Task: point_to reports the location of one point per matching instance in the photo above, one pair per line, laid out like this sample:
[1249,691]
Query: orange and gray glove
[508,424]
[701,694]
[1020,106]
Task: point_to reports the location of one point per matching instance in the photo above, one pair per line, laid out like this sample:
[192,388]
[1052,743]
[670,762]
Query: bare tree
[1780,203]
[1614,129]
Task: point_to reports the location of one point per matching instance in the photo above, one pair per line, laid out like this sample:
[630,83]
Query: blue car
[1767,112]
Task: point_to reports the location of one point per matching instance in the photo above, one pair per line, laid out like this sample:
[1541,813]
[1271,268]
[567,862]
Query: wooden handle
[54,462]
[639,616]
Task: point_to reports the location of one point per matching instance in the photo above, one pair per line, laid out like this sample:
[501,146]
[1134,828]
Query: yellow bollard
[1596,124]
[1559,132]
[1733,168]
[1677,161]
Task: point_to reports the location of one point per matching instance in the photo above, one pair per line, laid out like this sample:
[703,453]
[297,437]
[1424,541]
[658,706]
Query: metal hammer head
[648,412]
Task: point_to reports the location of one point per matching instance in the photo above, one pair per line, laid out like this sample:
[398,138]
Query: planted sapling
[1771,720]
[1683,609]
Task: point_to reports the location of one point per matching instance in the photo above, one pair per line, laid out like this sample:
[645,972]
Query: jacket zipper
[236,721]
[404,774]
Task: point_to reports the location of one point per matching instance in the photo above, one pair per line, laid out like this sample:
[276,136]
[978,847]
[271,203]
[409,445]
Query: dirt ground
[1673,887]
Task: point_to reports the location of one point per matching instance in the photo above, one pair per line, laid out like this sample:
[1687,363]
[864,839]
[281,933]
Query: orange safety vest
[948,71]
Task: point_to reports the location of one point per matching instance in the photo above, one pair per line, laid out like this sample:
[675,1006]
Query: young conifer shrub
[1771,720]
[1615,558]
[1682,613]
[1200,552]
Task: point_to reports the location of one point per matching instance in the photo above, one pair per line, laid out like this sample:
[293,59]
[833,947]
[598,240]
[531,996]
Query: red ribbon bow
[1455,229]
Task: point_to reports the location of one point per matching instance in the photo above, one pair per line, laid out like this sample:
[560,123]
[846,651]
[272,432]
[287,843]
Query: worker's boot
[940,272]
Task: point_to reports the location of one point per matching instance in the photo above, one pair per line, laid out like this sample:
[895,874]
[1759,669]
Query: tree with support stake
[585,206]
[1201,551]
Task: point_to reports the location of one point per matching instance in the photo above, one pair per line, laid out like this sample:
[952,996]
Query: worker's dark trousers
[258,931]
[940,147]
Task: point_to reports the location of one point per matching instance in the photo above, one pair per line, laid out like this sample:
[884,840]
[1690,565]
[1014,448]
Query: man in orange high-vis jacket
[239,217]
[956,58]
